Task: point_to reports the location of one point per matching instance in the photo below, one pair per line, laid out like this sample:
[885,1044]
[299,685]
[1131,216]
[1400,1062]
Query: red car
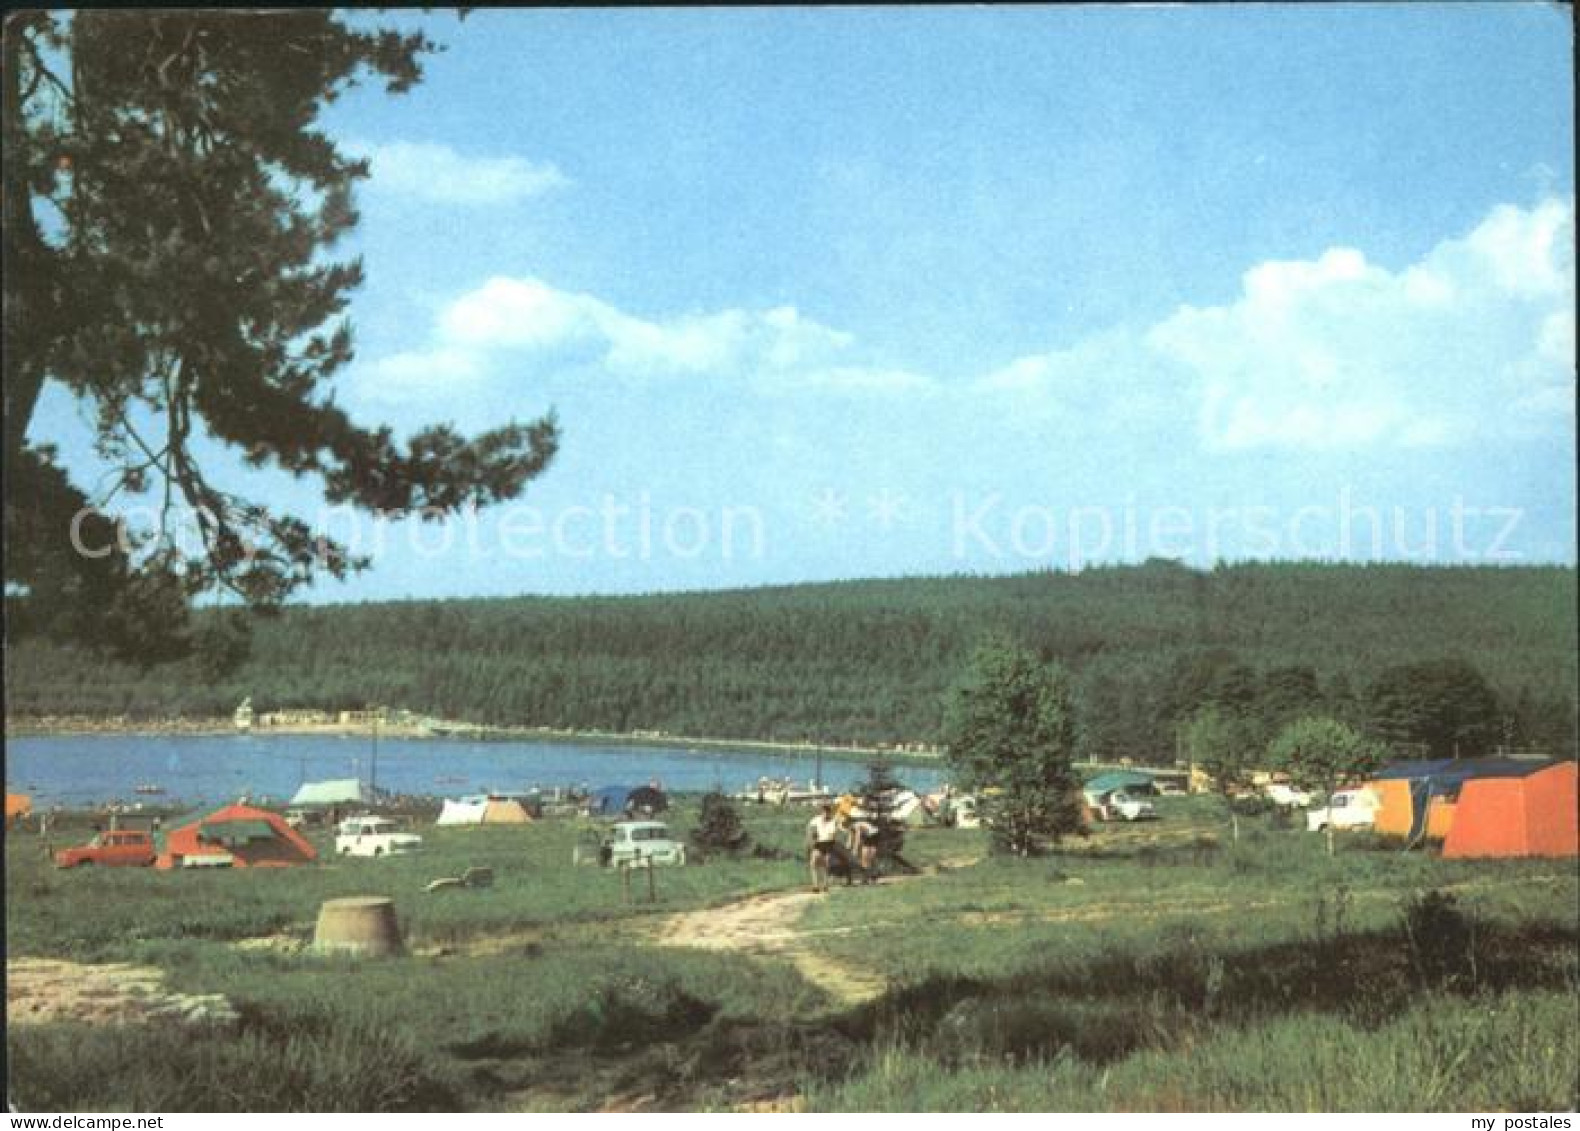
[120,849]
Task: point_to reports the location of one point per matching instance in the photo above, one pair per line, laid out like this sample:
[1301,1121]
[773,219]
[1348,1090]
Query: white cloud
[1474,340]
[1338,352]
[505,315]
[709,343]
[866,379]
[436,173]
[427,375]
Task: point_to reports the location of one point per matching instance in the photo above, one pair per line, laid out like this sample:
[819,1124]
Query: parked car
[1120,806]
[1354,808]
[121,848]
[644,842]
[1286,796]
[374,836]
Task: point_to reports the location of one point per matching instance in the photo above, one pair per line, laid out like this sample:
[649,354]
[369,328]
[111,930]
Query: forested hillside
[872,661]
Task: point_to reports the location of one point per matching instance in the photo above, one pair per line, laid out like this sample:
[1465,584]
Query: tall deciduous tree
[1012,740]
[170,210]
[1225,748]
[1323,754]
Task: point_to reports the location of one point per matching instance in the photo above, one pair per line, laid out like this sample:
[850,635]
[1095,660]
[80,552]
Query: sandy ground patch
[40,990]
[767,925]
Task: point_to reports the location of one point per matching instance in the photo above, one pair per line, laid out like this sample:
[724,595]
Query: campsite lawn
[1148,967]
[104,914]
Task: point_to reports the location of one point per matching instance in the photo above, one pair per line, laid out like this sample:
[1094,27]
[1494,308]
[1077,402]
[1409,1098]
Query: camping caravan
[237,836]
[484,809]
[1528,814]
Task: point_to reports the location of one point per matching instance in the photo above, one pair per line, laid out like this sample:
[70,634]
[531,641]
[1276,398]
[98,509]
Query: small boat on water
[148,788]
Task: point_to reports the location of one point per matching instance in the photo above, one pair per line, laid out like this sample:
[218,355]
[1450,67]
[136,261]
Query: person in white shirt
[864,849]
[822,833]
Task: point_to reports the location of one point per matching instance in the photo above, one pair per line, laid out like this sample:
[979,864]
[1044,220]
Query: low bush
[1440,939]
[629,1012]
[719,827]
[305,1062]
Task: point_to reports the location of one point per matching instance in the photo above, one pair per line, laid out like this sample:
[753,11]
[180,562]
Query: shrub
[300,1061]
[1440,940]
[631,1011]
[1027,1030]
[719,826]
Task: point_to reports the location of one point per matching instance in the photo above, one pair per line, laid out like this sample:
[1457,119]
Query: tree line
[1441,660]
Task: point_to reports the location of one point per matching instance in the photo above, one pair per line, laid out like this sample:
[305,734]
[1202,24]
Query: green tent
[234,832]
[1127,780]
[322,794]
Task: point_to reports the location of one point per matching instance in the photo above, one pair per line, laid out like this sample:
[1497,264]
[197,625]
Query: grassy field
[1152,967]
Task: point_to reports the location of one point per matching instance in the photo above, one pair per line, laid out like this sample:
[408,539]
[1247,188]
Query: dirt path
[766,925]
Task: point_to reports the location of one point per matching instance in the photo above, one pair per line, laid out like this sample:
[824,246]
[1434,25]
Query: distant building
[294,717]
[244,714]
[362,718]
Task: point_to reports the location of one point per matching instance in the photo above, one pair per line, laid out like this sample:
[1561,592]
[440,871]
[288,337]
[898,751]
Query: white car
[1287,796]
[374,836]
[642,844]
[1346,809]
[1121,806]
[966,815]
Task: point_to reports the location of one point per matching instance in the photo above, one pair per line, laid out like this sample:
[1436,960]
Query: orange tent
[1531,815]
[505,811]
[1440,812]
[1395,808]
[17,807]
[240,836]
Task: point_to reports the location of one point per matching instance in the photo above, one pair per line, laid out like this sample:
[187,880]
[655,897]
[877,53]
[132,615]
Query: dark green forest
[1458,659]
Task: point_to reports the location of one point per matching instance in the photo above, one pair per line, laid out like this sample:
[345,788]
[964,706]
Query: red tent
[1531,815]
[240,836]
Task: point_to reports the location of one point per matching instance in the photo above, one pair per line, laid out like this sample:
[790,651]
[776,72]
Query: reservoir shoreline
[73,726]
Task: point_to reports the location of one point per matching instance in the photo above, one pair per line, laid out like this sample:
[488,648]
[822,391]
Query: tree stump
[362,925]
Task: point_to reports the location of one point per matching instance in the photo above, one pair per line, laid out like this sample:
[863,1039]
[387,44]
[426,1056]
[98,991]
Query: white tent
[467,811]
[483,810]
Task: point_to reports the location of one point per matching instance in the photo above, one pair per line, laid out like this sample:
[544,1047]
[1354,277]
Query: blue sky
[823,293]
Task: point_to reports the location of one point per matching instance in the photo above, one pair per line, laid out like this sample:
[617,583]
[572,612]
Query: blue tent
[608,800]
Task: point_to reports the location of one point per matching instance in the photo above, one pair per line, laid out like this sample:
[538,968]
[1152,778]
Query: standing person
[864,848]
[822,837]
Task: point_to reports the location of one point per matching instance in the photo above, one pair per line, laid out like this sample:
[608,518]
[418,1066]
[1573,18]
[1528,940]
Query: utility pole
[373,763]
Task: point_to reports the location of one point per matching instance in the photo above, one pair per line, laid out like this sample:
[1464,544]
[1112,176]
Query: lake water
[77,770]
